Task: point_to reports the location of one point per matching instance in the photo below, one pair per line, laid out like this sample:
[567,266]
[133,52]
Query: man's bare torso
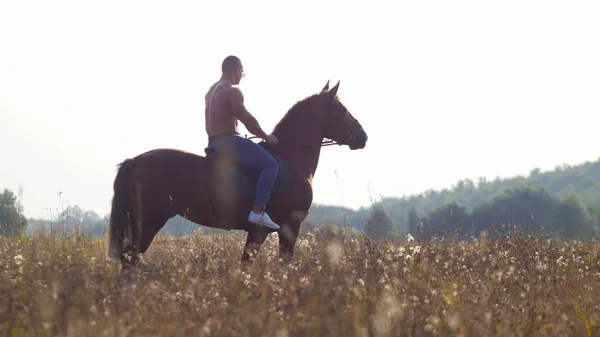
[219,118]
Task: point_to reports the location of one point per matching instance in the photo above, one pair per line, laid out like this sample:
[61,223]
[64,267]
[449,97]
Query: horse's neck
[300,149]
[301,160]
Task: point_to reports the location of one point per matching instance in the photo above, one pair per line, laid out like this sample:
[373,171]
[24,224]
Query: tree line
[524,208]
[563,202]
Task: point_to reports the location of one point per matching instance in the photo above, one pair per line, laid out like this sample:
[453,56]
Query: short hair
[230,63]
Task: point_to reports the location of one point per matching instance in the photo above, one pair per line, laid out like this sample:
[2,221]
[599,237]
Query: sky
[446,90]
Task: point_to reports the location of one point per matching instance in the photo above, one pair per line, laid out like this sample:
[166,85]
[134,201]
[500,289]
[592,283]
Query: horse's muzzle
[358,141]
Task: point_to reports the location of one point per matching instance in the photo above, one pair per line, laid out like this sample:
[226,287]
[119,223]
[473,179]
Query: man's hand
[271,139]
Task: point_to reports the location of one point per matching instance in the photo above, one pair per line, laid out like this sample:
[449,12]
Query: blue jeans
[250,154]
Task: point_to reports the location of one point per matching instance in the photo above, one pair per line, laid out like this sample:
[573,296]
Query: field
[505,285]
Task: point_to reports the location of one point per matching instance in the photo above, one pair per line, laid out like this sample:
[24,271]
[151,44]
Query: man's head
[232,69]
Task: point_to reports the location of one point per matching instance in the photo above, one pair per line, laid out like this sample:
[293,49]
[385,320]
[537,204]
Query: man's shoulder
[231,92]
[235,91]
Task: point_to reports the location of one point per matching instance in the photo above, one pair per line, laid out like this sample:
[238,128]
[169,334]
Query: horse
[214,191]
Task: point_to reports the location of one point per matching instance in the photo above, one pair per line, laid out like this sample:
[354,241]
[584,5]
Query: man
[224,107]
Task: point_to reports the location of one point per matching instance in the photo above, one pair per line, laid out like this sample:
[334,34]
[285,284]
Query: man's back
[219,118]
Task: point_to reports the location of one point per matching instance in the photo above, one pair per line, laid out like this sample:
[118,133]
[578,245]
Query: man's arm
[236,101]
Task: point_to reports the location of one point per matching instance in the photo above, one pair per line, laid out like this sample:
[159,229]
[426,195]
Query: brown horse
[214,191]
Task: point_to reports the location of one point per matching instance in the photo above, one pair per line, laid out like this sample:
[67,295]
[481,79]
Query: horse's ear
[334,90]
[326,87]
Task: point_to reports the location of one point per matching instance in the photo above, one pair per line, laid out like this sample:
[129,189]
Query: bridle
[325,142]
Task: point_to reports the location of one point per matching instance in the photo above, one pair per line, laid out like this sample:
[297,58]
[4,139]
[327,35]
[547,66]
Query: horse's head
[337,122]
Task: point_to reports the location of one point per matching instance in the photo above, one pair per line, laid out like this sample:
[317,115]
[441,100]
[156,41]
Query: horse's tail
[121,206]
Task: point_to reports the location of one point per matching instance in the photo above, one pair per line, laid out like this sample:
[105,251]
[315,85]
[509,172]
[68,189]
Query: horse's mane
[297,111]
[294,112]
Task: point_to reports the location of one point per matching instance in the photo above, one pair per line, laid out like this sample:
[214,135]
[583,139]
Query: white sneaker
[262,219]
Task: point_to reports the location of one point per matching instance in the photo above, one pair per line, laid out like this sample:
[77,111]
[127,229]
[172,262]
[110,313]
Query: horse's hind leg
[127,254]
[256,237]
[142,234]
[149,232]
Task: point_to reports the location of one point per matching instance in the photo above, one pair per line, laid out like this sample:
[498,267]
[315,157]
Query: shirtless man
[224,107]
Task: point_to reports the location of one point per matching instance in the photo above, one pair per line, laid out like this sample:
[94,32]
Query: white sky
[446,90]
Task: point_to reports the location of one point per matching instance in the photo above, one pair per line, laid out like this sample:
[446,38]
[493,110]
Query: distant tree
[524,207]
[379,224]
[413,220]
[12,220]
[594,212]
[73,217]
[572,218]
[450,218]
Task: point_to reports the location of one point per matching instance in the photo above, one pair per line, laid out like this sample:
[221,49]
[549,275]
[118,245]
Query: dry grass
[514,286]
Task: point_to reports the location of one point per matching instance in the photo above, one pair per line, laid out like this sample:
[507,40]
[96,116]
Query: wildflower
[409,238]
[18,259]
[401,251]
[335,253]
[434,320]
[454,321]
[303,243]
[541,266]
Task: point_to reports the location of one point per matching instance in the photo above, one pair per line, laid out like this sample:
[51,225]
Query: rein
[323,143]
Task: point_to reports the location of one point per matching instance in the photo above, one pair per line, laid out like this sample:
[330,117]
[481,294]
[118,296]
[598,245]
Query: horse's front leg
[256,237]
[288,234]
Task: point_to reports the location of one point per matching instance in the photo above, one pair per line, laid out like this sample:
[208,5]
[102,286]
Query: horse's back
[169,153]
[162,164]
